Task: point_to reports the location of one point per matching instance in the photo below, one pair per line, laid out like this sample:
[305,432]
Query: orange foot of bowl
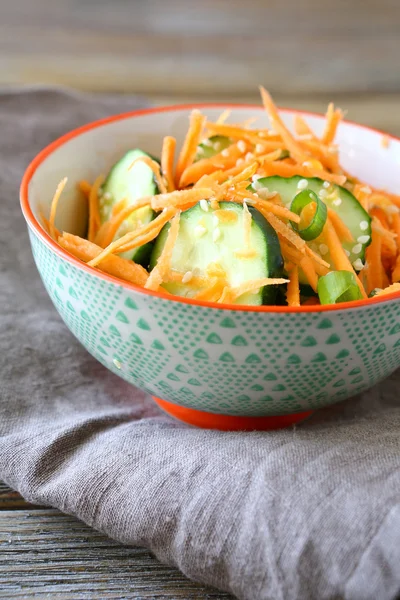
[208,420]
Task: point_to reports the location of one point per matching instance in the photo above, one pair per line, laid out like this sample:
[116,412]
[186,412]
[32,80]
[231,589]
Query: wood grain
[218,47]
[44,554]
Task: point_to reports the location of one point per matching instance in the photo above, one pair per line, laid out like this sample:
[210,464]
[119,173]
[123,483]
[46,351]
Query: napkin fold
[306,513]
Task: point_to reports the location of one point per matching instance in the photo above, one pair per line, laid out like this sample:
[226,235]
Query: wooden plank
[44,554]
[10,500]
[220,47]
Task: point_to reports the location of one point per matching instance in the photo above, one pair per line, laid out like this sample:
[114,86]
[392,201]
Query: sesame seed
[358,264]
[256,177]
[364,225]
[107,196]
[215,220]
[303,183]
[200,150]
[217,146]
[271,133]
[187,277]
[366,189]
[337,202]
[326,184]
[199,230]
[117,363]
[225,152]
[307,163]
[363,239]
[262,190]
[241,146]
[249,156]
[248,201]
[322,194]
[347,253]
[239,162]
[216,234]
[260,148]
[356,249]
[204,205]
[207,142]
[323,248]
[257,185]
[270,195]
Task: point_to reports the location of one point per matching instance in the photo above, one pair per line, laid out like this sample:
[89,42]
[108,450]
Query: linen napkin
[306,513]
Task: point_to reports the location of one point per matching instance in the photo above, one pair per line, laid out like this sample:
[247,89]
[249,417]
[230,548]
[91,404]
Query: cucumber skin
[275,260]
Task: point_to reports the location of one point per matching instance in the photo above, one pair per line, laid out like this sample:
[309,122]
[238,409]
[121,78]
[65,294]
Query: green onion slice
[314,229]
[338,286]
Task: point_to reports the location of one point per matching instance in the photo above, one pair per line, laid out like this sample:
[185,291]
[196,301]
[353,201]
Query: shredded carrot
[226,297]
[155,167]
[226,177]
[180,198]
[302,128]
[290,143]
[163,263]
[113,265]
[396,228]
[94,215]
[107,231]
[133,239]
[207,166]
[309,271]
[224,116]
[167,161]
[380,214]
[341,229]
[85,187]
[385,141]
[285,170]
[396,270]
[333,118]
[192,140]
[317,259]
[53,208]
[285,231]
[337,253]
[261,204]
[213,292]
[293,289]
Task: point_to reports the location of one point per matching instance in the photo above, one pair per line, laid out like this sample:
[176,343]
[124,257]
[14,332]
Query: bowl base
[208,420]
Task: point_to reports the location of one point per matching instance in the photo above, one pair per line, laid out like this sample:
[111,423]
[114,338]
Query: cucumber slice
[214,145]
[131,184]
[338,199]
[198,245]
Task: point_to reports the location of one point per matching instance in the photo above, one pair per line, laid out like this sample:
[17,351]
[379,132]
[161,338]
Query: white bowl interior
[94,151]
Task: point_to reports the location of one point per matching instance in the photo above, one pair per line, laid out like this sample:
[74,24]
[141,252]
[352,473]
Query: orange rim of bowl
[52,244]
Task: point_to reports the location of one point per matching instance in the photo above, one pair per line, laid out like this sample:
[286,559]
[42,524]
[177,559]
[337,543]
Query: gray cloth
[307,513]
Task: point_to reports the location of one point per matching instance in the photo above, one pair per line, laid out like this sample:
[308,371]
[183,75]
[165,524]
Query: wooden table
[45,554]
[306,52]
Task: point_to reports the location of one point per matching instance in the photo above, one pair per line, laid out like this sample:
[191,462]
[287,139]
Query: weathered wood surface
[44,554]
[306,52]
[213,46]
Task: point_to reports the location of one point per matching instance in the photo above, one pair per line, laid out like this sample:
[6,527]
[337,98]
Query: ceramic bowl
[227,367]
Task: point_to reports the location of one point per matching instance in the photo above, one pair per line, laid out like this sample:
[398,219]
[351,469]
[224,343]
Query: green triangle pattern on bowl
[228,362]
